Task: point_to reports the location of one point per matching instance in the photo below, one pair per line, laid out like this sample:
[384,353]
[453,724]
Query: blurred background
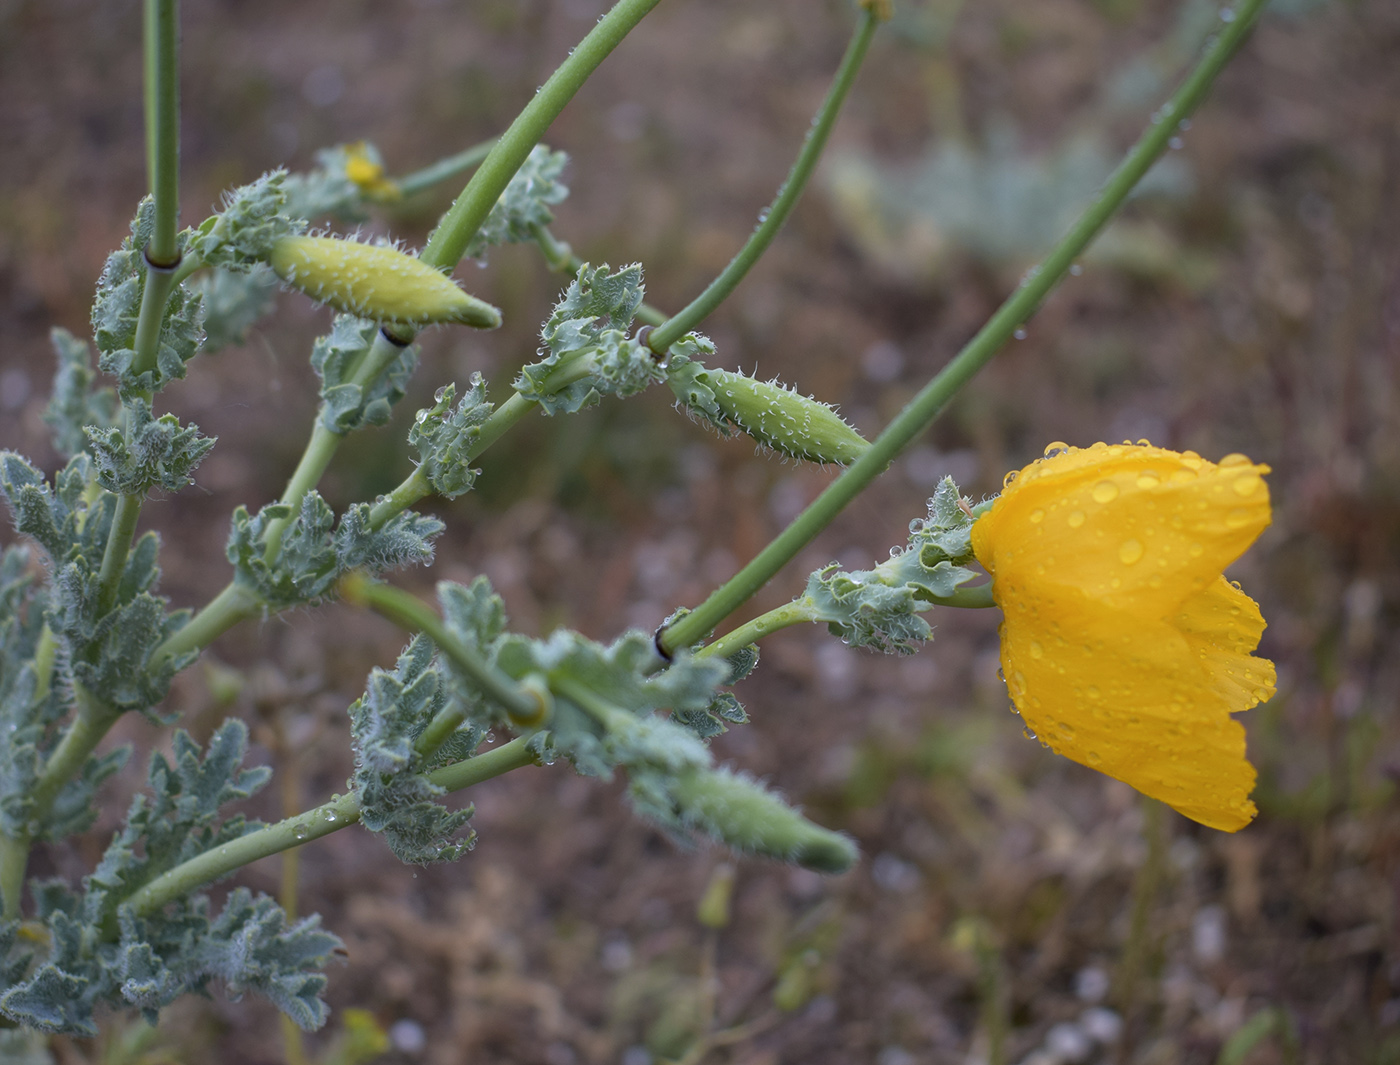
[1011,906]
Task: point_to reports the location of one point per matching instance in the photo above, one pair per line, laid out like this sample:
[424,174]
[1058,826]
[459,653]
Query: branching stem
[452,166]
[223,612]
[926,406]
[339,812]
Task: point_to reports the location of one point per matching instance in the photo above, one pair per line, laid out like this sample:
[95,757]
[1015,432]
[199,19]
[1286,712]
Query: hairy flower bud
[377,282]
[772,413]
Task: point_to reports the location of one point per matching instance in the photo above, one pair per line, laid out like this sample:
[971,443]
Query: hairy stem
[523,705]
[772,220]
[223,612]
[91,723]
[409,491]
[926,406]
[449,241]
[339,812]
[782,617]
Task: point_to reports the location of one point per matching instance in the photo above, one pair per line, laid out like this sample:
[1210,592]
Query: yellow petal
[1141,528]
[1132,699]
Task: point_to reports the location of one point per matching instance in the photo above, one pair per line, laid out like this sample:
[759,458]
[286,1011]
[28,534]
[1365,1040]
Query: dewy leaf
[589,352]
[879,608]
[148,452]
[335,358]
[146,962]
[317,550]
[444,436]
[396,799]
[76,404]
[525,204]
[254,218]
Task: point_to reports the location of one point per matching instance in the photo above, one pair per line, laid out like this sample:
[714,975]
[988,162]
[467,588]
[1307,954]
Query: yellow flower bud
[377,282]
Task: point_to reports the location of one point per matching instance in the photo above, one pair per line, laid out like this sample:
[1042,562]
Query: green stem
[501,419]
[90,724]
[925,407]
[114,557]
[14,860]
[341,811]
[223,612]
[523,705]
[449,241]
[45,653]
[782,617]
[664,336]
[452,166]
[162,82]
[590,702]
[409,491]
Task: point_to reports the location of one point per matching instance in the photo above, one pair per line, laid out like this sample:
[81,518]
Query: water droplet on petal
[1196,550]
[1037,516]
[1129,551]
[1148,480]
[1237,519]
[1246,484]
[1055,448]
[1037,651]
[1009,479]
[1105,492]
[1234,459]
[1076,519]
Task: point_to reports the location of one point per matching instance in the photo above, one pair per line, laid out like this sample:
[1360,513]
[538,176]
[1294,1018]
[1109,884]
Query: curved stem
[782,617]
[926,406]
[339,812]
[223,612]
[667,334]
[449,241]
[409,491]
[452,166]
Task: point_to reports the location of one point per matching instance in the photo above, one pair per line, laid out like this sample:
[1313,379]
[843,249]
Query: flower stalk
[921,411]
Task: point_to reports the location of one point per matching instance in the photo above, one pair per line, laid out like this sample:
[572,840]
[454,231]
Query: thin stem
[449,241]
[223,612]
[925,407]
[338,813]
[114,557]
[162,82]
[45,653]
[770,222]
[452,166]
[782,617]
[523,705]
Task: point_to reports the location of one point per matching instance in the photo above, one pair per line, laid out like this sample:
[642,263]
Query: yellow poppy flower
[1123,646]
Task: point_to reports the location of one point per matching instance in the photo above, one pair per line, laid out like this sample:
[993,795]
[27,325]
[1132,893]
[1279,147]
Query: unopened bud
[377,282]
[785,420]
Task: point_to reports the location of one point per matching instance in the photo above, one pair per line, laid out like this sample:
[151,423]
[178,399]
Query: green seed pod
[744,815]
[785,420]
[377,282]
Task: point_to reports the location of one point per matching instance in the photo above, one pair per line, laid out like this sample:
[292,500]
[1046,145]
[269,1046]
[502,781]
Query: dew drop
[330,817]
[1105,492]
[1075,269]
[1129,551]
[1176,144]
[1092,691]
[1237,518]
[301,831]
[1076,519]
[1020,333]
[1227,14]
[1037,516]
[1246,484]
[1095,758]
[1057,447]
[1026,732]
[1009,479]
[1018,683]
[1234,459]
[1148,480]
[1037,651]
